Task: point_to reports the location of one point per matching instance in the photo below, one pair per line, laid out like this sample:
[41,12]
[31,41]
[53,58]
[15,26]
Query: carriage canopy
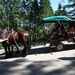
[59,18]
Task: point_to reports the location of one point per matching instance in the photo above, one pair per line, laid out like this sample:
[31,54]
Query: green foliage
[59,6]
[24,14]
[45,9]
[61,10]
[71,0]
[71,4]
[1,46]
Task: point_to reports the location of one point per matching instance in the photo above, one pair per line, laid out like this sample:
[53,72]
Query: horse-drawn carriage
[63,30]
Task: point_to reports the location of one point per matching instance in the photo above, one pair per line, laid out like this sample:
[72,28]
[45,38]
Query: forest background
[27,14]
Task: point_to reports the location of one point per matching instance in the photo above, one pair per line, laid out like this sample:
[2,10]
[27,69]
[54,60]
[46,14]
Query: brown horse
[15,38]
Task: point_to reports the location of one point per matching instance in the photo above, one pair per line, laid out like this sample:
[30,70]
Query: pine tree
[61,10]
[12,13]
[71,4]
[45,9]
[35,11]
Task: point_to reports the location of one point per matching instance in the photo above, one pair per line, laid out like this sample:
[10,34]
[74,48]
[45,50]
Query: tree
[59,6]
[2,14]
[71,4]
[11,13]
[34,13]
[45,9]
[61,10]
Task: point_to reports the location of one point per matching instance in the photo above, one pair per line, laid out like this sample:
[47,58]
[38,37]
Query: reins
[14,38]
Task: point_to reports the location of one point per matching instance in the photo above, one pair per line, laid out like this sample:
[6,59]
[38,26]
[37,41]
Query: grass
[1,47]
[39,41]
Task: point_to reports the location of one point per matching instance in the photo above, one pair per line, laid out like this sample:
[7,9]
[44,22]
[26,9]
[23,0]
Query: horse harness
[13,34]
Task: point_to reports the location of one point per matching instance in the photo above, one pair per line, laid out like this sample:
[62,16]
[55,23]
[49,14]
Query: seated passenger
[59,30]
[71,32]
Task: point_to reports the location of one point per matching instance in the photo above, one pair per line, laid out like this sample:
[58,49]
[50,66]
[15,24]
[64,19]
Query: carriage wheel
[59,46]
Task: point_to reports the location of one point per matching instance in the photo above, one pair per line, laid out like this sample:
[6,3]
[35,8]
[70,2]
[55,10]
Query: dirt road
[41,61]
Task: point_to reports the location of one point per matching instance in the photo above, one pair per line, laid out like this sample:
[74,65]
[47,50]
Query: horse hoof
[5,57]
[8,56]
[17,52]
[24,55]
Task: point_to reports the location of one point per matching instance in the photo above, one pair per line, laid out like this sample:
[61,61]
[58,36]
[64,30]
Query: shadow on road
[67,58]
[40,50]
[69,46]
[27,67]
[50,50]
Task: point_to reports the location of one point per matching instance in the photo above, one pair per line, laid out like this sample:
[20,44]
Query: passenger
[59,30]
[55,31]
[71,32]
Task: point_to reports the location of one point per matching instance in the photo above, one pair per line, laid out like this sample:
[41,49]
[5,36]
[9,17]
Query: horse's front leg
[6,53]
[25,51]
[17,50]
[11,48]
[10,52]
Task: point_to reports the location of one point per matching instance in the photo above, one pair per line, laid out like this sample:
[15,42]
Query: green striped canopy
[72,17]
[56,18]
[70,20]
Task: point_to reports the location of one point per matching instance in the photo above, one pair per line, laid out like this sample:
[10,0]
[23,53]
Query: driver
[59,29]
